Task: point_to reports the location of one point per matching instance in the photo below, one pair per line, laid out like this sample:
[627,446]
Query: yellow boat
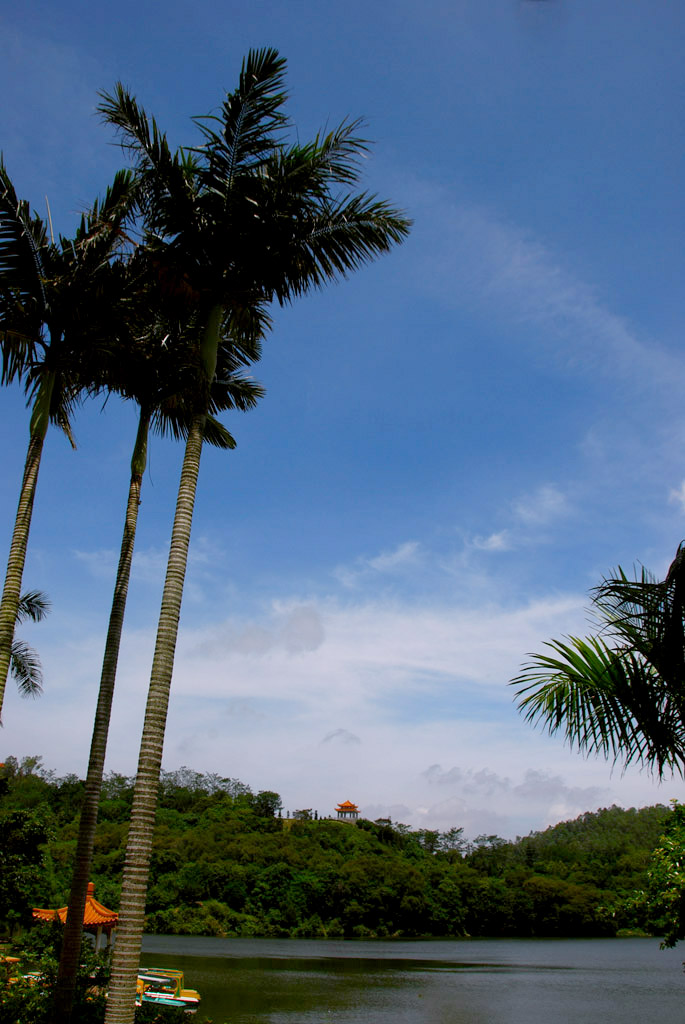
[156,984]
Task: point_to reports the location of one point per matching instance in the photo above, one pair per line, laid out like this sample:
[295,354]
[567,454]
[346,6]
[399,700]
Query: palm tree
[233,224]
[51,313]
[25,666]
[620,693]
[157,373]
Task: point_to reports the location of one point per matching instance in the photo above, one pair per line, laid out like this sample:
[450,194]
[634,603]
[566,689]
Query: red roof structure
[347,811]
[96,917]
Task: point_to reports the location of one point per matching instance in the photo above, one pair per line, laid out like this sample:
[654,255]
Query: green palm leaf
[22,293]
[228,227]
[621,693]
[26,669]
[33,606]
[250,117]
[25,664]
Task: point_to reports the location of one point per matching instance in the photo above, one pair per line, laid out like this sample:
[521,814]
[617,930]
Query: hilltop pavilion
[347,811]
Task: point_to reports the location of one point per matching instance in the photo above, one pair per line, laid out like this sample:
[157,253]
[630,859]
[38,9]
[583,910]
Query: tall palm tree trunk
[73,930]
[122,989]
[11,593]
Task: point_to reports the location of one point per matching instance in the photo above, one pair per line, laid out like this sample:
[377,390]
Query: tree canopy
[224,863]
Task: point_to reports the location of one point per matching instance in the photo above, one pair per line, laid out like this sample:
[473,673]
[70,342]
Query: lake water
[465,981]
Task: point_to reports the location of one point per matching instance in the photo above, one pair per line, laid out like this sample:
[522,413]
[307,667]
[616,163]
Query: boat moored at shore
[166,987]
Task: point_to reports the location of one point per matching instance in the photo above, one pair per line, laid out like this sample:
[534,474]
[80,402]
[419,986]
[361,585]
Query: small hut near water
[98,920]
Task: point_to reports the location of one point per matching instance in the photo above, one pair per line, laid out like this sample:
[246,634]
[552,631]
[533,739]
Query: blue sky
[455,445]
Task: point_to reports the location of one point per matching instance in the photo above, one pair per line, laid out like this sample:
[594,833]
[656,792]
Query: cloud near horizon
[358,692]
[323,700]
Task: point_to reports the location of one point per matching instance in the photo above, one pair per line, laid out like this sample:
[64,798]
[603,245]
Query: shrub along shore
[226,862]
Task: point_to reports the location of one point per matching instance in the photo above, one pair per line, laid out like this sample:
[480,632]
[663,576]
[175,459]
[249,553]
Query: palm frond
[173,414]
[102,228]
[648,614]
[604,701]
[245,326]
[620,693]
[246,131]
[34,605]
[338,238]
[22,293]
[234,391]
[138,132]
[165,181]
[21,238]
[573,691]
[216,434]
[26,669]
[328,160]
[25,665]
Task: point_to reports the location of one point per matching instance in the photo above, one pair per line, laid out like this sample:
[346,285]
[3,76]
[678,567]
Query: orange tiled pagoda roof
[95,915]
[347,806]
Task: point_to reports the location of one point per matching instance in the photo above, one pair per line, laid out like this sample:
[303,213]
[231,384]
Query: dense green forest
[225,862]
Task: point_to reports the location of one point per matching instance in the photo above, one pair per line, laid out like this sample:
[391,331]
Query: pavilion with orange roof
[347,811]
[97,919]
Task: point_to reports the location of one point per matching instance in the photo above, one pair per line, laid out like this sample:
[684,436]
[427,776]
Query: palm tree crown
[229,226]
[620,693]
[55,309]
[245,218]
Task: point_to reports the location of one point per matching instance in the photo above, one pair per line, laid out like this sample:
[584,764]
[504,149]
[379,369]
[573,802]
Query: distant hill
[224,864]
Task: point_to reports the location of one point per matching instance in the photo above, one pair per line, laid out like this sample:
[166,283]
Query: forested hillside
[225,863]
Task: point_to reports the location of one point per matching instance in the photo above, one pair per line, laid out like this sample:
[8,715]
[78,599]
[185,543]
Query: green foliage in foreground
[663,900]
[27,1000]
[225,863]
[26,988]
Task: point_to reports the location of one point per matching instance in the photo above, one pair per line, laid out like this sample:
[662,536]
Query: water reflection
[254,981]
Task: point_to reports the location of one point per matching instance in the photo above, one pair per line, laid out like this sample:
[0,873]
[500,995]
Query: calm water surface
[472,981]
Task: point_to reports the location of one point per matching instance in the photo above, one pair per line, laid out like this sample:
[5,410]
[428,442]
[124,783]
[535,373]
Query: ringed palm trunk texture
[9,604]
[73,930]
[122,989]
[15,564]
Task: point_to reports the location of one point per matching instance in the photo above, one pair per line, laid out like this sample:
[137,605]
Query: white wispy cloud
[406,556]
[529,521]
[149,564]
[99,564]
[324,701]
[477,258]
[483,799]
[536,785]
[544,506]
[345,658]
[287,629]
[499,541]
[677,496]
